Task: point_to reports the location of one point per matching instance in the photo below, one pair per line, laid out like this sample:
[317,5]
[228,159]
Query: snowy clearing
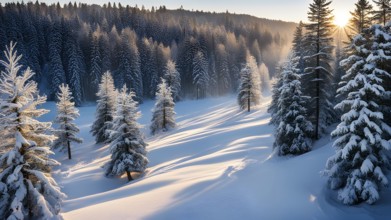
[216,164]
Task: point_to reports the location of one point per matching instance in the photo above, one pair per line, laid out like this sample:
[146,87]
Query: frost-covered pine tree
[163,112]
[293,130]
[273,107]
[66,114]
[250,88]
[105,108]
[357,170]
[173,79]
[26,187]
[128,149]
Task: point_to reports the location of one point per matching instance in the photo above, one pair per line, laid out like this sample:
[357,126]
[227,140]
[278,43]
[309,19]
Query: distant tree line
[76,43]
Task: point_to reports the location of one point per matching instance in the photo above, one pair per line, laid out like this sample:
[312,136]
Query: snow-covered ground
[216,164]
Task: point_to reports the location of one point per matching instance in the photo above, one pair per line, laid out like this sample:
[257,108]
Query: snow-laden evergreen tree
[173,79]
[163,112]
[200,74]
[383,13]
[250,88]
[293,130]
[75,71]
[26,187]
[95,72]
[318,57]
[363,146]
[105,108]
[128,149]
[66,114]
[273,107]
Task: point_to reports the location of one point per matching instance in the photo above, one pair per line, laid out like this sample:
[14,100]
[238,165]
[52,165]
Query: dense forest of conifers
[77,43]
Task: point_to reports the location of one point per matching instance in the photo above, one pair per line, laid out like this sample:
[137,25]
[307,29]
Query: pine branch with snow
[128,149]
[66,114]
[163,112]
[26,186]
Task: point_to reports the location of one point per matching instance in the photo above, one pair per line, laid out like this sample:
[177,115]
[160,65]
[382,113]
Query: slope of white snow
[216,164]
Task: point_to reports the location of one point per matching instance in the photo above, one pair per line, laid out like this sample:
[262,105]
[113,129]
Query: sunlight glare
[341,19]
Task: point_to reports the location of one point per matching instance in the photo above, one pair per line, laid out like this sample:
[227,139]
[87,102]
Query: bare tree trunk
[69,150]
[248,101]
[317,87]
[129,176]
[164,117]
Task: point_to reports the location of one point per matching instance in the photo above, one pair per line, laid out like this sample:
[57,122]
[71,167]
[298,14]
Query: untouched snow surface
[216,164]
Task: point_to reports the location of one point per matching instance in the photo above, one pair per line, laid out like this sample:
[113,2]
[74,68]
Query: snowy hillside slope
[216,164]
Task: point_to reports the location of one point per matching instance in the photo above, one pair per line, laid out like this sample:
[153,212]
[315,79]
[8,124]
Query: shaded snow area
[216,164]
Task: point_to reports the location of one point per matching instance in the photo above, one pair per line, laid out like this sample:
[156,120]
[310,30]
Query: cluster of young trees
[116,122]
[75,44]
[300,113]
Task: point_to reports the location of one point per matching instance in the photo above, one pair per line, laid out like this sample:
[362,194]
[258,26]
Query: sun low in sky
[341,18]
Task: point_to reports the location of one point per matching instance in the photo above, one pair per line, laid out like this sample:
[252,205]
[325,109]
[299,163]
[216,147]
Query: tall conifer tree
[319,45]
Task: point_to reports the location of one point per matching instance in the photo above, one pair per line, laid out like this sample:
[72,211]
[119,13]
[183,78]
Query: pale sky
[286,10]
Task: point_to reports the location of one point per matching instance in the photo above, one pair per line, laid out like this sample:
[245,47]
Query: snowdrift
[217,164]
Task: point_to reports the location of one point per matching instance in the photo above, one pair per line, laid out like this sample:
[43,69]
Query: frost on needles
[27,189]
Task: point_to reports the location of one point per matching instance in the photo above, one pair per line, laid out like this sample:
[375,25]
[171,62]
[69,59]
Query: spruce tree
[383,14]
[293,130]
[318,57]
[249,89]
[361,17]
[66,114]
[26,187]
[163,112]
[128,149]
[95,72]
[173,79]
[75,71]
[200,74]
[357,170]
[105,108]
